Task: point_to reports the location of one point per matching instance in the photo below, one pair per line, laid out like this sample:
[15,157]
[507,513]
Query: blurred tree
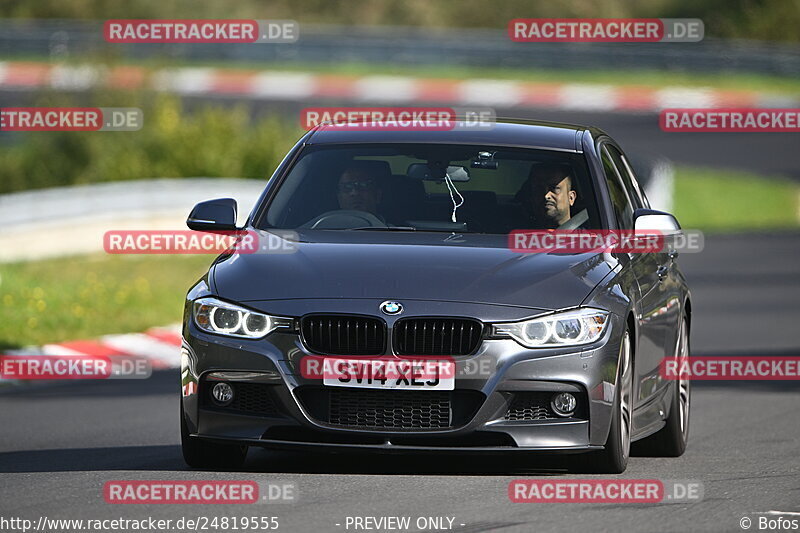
[211,141]
[769,20]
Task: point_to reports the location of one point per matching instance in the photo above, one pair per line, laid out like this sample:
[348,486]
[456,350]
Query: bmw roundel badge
[391,308]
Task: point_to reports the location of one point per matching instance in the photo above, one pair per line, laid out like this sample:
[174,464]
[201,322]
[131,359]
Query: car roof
[506,132]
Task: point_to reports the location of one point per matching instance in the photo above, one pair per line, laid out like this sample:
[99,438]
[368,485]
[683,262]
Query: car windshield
[446,188]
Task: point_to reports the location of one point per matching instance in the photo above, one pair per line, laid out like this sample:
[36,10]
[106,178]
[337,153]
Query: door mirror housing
[652,220]
[213,215]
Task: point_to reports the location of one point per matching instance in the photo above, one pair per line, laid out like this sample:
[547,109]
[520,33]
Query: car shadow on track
[167,458]
[260,460]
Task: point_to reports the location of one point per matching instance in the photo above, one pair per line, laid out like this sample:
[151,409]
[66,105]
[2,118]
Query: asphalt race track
[60,443]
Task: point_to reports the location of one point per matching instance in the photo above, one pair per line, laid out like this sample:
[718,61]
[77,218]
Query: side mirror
[650,219]
[213,215]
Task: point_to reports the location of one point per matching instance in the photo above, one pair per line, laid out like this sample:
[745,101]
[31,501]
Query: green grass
[85,297]
[723,201]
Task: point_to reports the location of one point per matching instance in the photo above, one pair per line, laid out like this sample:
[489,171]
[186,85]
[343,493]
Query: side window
[636,185]
[619,198]
[626,173]
[638,188]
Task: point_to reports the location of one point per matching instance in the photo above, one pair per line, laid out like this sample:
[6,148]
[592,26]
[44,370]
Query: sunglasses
[350,186]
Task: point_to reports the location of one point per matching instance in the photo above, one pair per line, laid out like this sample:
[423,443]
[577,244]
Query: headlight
[222,318]
[566,328]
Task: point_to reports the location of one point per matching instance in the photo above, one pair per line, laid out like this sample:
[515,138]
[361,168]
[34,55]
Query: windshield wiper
[381,228]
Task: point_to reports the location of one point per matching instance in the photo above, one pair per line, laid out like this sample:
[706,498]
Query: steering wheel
[344,219]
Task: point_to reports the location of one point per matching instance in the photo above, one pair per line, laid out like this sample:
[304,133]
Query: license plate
[391,374]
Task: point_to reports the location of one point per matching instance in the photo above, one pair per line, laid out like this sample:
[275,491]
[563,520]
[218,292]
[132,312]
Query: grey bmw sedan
[395,247]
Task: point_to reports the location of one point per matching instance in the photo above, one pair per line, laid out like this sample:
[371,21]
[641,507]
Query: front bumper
[487,384]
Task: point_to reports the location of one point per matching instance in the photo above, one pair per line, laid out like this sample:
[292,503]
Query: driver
[549,195]
[359,188]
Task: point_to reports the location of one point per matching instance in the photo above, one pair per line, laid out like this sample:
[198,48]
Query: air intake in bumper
[393,410]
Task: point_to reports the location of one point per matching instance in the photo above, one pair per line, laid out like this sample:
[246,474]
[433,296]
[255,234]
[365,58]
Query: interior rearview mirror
[422,171]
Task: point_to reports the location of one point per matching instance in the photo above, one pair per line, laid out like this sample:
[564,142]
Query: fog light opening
[222,393]
[564,404]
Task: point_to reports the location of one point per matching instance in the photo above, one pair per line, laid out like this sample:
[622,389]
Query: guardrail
[66,221]
[59,39]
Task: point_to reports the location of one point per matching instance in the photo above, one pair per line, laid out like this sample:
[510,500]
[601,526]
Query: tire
[671,440]
[201,454]
[613,459]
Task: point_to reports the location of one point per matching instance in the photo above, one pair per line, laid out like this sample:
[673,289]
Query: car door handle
[662,272]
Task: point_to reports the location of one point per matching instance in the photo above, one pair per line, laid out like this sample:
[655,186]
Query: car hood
[410,265]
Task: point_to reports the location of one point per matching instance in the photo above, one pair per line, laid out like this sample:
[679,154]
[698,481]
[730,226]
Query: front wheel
[201,454]
[670,441]
[613,459]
